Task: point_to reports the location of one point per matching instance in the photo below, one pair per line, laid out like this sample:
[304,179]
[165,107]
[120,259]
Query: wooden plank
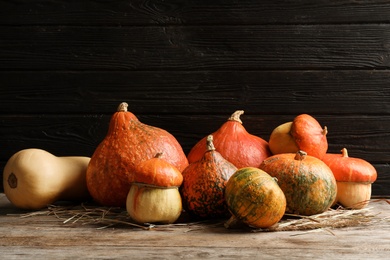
[120,13]
[381,186]
[45,236]
[253,47]
[278,92]
[364,137]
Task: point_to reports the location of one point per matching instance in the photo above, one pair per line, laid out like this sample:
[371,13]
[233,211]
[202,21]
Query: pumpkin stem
[300,155]
[325,131]
[158,155]
[122,107]
[344,152]
[236,116]
[233,222]
[210,144]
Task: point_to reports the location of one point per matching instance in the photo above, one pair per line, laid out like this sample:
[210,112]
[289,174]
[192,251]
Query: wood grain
[200,12]
[251,47]
[185,66]
[280,92]
[367,138]
[43,236]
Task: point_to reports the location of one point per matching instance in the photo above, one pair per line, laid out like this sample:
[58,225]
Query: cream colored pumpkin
[34,178]
[355,195]
[151,204]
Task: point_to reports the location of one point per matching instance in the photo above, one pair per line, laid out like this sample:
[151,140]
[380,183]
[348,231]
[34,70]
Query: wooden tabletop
[40,235]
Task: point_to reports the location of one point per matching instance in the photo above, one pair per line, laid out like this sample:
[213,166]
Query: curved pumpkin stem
[233,222]
[344,152]
[325,131]
[122,107]
[300,155]
[210,144]
[236,116]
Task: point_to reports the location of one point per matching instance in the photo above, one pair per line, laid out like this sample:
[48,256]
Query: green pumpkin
[254,198]
[307,182]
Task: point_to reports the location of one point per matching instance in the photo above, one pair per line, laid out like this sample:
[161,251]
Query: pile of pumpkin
[229,173]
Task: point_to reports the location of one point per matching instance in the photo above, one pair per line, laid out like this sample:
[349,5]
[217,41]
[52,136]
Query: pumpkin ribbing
[235,144]
[128,142]
[307,182]
[254,198]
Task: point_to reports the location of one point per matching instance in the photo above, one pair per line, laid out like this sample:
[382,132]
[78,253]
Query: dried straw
[105,217]
[108,216]
[330,219]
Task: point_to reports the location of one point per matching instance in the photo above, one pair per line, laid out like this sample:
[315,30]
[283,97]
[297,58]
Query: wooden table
[45,236]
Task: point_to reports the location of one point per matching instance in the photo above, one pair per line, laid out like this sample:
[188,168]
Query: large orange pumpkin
[235,144]
[254,198]
[204,184]
[127,143]
[307,182]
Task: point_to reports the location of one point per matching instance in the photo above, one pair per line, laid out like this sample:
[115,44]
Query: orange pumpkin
[204,184]
[154,196]
[157,172]
[354,177]
[254,198]
[127,143]
[235,144]
[303,133]
[307,182]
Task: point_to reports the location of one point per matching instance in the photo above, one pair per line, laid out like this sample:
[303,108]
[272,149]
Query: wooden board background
[185,66]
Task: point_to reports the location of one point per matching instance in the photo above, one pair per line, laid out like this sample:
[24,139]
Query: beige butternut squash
[34,178]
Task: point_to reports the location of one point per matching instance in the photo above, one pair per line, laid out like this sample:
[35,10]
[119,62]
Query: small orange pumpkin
[307,182]
[235,144]
[154,195]
[204,184]
[254,198]
[303,133]
[354,177]
[127,143]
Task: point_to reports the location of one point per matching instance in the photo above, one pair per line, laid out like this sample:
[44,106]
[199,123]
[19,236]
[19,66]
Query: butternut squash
[34,178]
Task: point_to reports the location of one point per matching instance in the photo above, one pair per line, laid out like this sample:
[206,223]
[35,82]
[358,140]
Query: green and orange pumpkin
[254,198]
[307,182]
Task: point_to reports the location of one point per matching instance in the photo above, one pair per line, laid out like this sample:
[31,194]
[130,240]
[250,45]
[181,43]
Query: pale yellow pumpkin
[34,178]
[153,204]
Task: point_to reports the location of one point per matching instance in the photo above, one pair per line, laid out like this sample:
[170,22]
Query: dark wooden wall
[185,66]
